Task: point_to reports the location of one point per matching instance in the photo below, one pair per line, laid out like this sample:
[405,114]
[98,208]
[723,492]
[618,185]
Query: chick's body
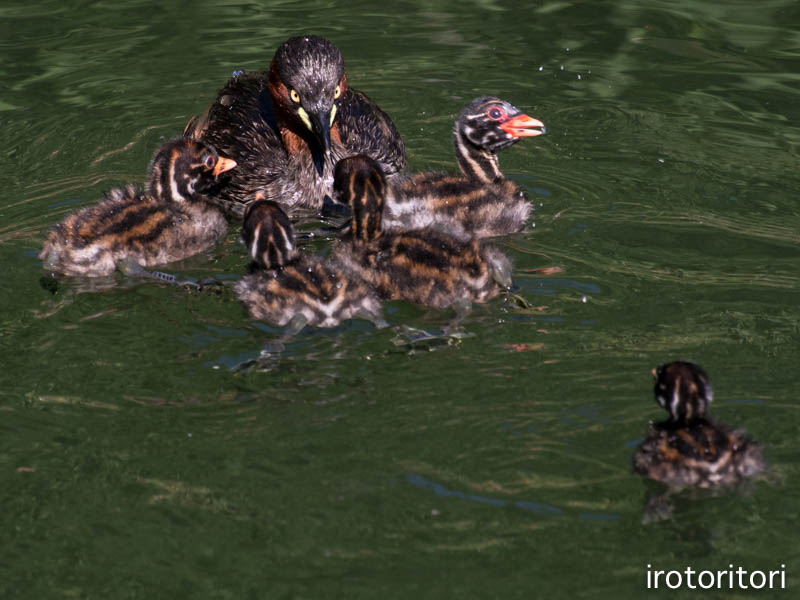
[322,293]
[462,207]
[427,266]
[690,449]
[480,202]
[703,454]
[168,222]
[285,285]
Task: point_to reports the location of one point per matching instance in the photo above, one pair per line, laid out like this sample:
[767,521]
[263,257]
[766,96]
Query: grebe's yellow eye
[294,96]
[337,92]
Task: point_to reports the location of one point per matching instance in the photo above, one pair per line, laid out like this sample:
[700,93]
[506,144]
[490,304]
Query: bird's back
[309,286]
[704,454]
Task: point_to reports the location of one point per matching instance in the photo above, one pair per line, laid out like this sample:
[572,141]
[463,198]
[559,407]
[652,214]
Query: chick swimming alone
[689,449]
[426,266]
[286,285]
[481,202]
[287,128]
[170,220]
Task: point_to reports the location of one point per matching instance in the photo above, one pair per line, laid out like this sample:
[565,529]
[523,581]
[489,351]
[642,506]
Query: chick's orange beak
[520,126]
[223,164]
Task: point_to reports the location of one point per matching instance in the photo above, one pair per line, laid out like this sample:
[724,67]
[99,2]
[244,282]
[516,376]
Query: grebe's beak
[321,126]
[520,125]
[223,164]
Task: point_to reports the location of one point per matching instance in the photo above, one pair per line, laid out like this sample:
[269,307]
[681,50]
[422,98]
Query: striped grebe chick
[289,287]
[689,449]
[170,220]
[480,202]
[426,266]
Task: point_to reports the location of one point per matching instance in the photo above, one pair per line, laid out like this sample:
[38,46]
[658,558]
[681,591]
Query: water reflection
[440,490]
[528,505]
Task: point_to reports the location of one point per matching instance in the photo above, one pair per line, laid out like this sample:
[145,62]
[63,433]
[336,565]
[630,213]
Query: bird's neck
[475,163]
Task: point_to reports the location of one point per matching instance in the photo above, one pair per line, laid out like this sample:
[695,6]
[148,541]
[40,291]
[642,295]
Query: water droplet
[579,75]
[562,67]
[541,68]
[584,299]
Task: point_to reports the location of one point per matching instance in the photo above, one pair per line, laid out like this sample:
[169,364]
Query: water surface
[136,464]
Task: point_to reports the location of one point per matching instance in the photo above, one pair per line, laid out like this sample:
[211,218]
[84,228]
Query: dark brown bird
[481,202]
[168,221]
[288,287]
[287,128]
[689,449]
[426,266]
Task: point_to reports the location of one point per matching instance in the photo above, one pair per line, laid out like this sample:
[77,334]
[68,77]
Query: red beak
[519,126]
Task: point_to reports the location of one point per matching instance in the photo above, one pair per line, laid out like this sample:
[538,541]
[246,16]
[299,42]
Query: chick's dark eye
[210,161]
[495,113]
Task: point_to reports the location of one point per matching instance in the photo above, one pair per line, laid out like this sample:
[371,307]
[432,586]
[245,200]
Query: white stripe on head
[673,407]
[286,241]
[708,389]
[173,185]
[254,243]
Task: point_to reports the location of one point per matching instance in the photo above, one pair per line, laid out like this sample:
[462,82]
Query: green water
[135,464]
